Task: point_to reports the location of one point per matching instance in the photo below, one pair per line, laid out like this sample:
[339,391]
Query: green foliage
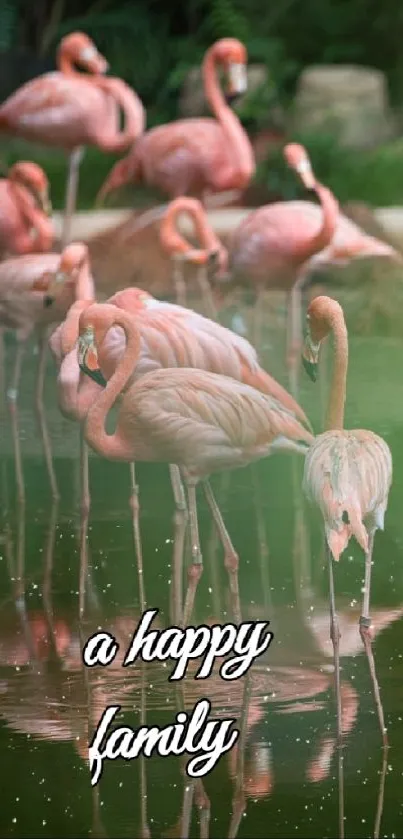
[374,176]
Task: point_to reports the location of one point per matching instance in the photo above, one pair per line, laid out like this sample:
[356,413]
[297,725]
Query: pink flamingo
[196,156]
[279,245]
[348,475]
[25,226]
[210,255]
[200,421]
[69,110]
[171,336]
[23,284]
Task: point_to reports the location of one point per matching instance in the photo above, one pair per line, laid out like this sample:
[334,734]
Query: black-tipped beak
[311,368]
[47,301]
[96,375]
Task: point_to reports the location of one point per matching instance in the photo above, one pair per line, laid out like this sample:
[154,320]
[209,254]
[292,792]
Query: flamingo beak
[88,357]
[237,81]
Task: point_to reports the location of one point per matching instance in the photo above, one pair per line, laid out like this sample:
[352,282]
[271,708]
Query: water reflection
[286,771]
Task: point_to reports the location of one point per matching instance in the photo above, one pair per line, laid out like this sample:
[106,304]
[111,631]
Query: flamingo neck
[330,217]
[175,243]
[237,139]
[114,445]
[33,216]
[65,64]
[76,392]
[337,397]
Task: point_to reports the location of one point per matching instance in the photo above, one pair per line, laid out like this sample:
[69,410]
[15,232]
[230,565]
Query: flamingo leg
[12,395]
[47,584]
[75,159]
[335,636]
[203,805]
[239,799]
[135,508]
[205,290]
[257,319]
[40,412]
[180,524]
[144,828]
[365,632]
[195,569]
[294,333]
[179,280]
[381,793]
[85,500]
[231,558]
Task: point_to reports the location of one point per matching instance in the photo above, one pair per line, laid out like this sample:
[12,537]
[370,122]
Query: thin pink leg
[366,635]
[258,319]
[144,828]
[196,567]
[180,525]
[75,159]
[85,503]
[203,805]
[231,558]
[206,292]
[294,333]
[40,412]
[12,395]
[335,636]
[381,793]
[47,583]
[135,508]
[179,280]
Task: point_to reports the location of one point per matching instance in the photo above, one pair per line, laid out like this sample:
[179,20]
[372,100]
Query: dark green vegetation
[152,45]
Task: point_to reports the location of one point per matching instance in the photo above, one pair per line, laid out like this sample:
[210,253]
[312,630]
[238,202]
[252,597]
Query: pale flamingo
[25,209]
[171,336]
[272,247]
[200,421]
[69,110]
[201,155]
[209,256]
[23,284]
[348,475]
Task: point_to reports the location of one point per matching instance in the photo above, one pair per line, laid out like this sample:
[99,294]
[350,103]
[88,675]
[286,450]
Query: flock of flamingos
[189,392]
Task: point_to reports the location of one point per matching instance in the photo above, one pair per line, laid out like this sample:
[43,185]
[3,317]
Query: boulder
[351,101]
[192,102]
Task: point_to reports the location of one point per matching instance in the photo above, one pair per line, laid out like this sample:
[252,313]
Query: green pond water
[287,764]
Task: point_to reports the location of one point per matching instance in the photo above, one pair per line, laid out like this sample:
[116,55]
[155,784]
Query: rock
[350,100]
[192,102]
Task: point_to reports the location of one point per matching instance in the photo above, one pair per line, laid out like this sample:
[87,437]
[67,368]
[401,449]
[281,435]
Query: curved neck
[330,216]
[114,445]
[241,149]
[337,397]
[76,392]
[33,216]
[133,110]
[174,242]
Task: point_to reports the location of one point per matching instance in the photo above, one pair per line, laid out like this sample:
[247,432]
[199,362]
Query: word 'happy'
[194,734]
[246,641]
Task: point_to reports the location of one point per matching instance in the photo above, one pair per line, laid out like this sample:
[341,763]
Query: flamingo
[196,156]
[348,475]
[200,421]
[212,254]
[25,226]
[171,336]
[23,284]
[69,110]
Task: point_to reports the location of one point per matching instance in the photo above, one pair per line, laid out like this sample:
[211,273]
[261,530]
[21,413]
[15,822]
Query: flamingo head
[297,159]
[232,55]
[72,260]
[79,49]
[30,175]
[95,323]
[320,317]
